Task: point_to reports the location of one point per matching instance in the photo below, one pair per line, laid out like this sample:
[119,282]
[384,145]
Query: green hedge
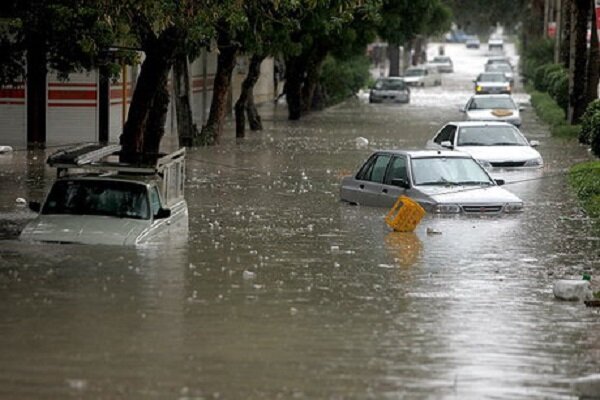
[585,179]
[547,109]
[538,53]
[341,79]
[586,122]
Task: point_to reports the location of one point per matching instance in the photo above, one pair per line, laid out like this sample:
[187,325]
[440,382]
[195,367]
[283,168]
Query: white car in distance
[492,107]
[493,144]
[422,75]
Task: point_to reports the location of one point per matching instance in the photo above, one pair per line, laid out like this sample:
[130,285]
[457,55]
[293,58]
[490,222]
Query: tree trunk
[245,103]
[593,65]
[294,68]
[406,56]
[213,129]
[186,128]
[155,127]
[578,60]
[313,73]
[160,53]
[565,37]
[36,92]
[394,56]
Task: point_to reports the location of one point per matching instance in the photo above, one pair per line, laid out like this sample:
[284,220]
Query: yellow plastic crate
[405,215]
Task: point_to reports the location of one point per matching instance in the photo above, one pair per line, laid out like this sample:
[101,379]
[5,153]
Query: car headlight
[446,209]
[536,162]
[484,163]
[478,88]
[513,207]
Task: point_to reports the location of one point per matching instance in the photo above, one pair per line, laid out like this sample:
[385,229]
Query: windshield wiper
[505,144]
[471,144]
[475,183]
[439,182]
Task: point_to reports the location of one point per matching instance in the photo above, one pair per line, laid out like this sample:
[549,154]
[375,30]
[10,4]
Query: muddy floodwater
[279,291]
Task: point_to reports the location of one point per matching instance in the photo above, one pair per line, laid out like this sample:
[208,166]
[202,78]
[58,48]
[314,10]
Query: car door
[369,180]
[446,134]
[398,169]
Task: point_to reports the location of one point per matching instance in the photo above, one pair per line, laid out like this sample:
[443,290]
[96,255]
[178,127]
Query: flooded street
[280,291]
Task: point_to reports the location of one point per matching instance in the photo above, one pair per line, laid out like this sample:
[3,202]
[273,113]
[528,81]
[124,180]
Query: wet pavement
[281,291]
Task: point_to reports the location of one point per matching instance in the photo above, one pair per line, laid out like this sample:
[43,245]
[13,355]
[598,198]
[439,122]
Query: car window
[379,167]
[154,200]
[98,197]
[490,136]
[484,103]
[397,170]
[446,134]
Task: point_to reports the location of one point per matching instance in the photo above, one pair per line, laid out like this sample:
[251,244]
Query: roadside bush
[538,53]
[341,79]
[541,80]
[586,121]
[558,87]
[585,179]
[595,135]
[547,109]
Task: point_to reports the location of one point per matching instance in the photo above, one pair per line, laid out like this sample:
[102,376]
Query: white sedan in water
[445,182]
[493,144]
[492,107]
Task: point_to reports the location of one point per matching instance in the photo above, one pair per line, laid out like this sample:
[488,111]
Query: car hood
[466,195]
[492,114]
[85,229]
[500,153]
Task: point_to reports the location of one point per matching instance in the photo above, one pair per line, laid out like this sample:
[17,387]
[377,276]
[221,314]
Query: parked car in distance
[391,89]
[492,107]
[110,203]
[492,83]
[445,182]
[473,42]
[422,75]
[498,60]
[493,144]
[442,63]
[504,68]
[495,44]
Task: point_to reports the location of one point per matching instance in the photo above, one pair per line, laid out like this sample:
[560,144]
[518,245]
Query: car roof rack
[103,158]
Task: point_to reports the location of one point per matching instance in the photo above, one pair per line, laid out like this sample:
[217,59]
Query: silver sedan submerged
[390,90]
[442,182]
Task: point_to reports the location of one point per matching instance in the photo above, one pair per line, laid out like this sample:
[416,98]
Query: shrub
[595,134]
[558,88]
[541,80]
[585,178]
[547,109]
[538,53]
[341,79]
[586,121]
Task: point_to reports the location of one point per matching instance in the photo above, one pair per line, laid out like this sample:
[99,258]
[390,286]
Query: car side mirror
[462,110]
[500,182]
[162,213]
[403,183]
[447,144]
[35,206]
[534,143]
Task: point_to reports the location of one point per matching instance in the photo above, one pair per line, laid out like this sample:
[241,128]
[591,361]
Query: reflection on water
[281,291]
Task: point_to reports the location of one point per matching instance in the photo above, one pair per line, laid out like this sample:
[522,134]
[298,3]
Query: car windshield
[415,72]
[448,171]
[499,67]
[98,197]
[486,103]
[441,60]
[493,77]
[490,136]
[390,84]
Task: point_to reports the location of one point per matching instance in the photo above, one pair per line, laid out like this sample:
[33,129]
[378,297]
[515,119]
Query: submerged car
[422,75]
[504,68]
[492,107]
[442,63]
[499,60]
[496,44]
[389,89]
[492,83]
[493,144]
[445,182]
[473,42]
[110,203]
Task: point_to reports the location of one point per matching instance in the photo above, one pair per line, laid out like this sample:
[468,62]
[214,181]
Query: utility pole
[558,36]
[546,15]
